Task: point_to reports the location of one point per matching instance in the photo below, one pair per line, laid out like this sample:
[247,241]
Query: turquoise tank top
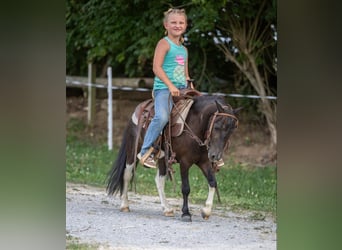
[174,66]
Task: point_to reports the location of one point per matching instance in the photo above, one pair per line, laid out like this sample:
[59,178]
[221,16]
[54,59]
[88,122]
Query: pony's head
[221,126]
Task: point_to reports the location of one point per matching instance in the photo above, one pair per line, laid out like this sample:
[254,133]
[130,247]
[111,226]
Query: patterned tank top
[174,66]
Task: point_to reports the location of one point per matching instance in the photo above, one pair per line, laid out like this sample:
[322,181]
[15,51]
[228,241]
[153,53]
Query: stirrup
[160,154]
[143,158]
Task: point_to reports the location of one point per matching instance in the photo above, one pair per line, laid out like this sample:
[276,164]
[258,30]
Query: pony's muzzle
[213,157]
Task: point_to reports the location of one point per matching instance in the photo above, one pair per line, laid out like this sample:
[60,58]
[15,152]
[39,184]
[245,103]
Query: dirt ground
[94,218]
[248,145]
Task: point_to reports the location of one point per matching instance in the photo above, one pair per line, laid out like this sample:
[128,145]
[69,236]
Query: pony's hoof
[169,213]
[205,215]
[124,209]
[186,218]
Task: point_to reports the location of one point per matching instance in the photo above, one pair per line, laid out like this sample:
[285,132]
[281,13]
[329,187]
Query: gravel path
[94,217]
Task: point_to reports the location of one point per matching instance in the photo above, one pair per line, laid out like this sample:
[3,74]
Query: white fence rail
[97,85]
[71,81]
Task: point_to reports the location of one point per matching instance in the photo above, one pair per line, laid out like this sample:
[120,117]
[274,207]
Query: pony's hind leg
[126,180]
[160,183]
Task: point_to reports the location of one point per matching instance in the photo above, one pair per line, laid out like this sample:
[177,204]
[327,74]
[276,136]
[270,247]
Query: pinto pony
[208,126]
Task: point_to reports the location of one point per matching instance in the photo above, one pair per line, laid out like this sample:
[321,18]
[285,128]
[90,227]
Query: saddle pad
[178,116]
[145,109]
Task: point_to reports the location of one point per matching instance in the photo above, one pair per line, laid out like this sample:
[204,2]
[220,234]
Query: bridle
[209,130]
[212,122]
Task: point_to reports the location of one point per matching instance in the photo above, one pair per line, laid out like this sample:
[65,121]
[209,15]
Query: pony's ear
[219,107]
[235,111]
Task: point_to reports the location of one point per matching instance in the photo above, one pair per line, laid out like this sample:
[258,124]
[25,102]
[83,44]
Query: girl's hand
[173,90]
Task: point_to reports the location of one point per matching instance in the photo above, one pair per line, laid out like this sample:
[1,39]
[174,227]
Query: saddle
[144,112]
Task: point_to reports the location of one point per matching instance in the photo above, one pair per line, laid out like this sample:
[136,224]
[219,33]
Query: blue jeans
[162,108]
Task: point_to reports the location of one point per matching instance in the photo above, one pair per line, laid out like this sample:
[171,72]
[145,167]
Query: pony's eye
[217,127]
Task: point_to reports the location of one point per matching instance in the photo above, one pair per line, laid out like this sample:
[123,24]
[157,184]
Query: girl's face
[175,24]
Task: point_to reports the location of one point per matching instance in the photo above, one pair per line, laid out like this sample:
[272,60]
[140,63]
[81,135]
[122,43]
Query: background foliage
[123,34]
[231,43]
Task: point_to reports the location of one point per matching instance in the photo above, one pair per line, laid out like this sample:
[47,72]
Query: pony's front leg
[186,216]
[160,183]
[126,180]
[206,211]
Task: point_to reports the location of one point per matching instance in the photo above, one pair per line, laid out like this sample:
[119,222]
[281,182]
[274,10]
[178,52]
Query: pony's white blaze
[124,197]
[206,211]
[160,183]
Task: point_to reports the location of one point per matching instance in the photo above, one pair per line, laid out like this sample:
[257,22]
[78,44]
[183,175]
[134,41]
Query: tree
[245,32]
[119,33]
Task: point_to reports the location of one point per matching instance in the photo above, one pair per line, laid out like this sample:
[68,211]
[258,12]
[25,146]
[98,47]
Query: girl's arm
[159,55]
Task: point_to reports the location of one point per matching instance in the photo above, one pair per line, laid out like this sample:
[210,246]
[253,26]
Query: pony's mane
[202,110]
[207,103]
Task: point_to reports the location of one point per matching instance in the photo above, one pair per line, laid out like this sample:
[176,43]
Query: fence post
[91,94]
[110,109]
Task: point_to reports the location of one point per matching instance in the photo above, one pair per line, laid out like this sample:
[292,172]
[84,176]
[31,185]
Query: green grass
[248,187]
[240,187]
[88,163]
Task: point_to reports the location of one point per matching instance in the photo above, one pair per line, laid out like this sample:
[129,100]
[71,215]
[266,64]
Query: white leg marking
[160,183]
[206,211]
[127,178]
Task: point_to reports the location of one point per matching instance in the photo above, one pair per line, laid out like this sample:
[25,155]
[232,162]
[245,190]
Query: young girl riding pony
[170,66]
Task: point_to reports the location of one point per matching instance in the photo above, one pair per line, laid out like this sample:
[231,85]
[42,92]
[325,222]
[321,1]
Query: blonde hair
[174,11]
